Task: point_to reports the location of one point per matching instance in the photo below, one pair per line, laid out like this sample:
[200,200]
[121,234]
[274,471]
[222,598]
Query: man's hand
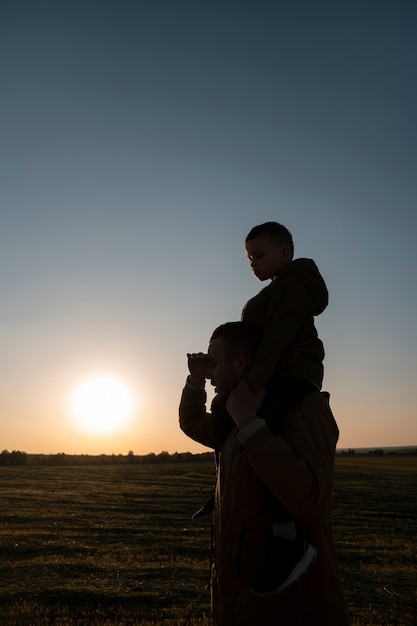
[243,405]
[198,364]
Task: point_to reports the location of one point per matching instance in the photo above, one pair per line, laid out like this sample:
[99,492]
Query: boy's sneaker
[205,513]
[285,563]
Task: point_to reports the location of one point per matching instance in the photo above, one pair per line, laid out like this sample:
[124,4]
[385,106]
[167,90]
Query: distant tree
[18,458]
[164,457]
[348,452]
[148,458]
[5,458]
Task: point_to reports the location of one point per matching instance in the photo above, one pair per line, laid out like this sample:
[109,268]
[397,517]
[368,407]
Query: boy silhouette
[288,365]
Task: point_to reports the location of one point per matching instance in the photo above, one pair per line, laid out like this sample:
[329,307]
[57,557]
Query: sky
[141,140]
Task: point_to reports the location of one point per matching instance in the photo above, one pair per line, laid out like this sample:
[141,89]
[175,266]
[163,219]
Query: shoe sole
[205,518]
[307,560]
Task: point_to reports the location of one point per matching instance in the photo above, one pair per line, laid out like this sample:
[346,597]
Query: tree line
[18,458]
[378,452]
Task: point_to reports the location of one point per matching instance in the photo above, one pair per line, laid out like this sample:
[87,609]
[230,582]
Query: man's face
[224,372]
[266,257]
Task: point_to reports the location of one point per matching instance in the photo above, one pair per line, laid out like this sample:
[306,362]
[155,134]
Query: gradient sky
[140,142]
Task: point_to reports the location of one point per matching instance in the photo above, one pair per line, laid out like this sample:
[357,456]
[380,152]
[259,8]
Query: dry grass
[375,517]
[114,545]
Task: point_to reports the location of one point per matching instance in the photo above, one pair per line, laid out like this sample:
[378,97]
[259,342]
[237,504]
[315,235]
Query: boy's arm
[289,305]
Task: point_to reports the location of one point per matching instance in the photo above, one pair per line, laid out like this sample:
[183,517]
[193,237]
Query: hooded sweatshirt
[285,310]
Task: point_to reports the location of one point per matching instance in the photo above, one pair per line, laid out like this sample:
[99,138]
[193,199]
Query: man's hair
[277,233]
[239,337]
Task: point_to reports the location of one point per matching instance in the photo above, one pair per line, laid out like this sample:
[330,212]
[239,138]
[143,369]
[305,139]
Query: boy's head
[269,247]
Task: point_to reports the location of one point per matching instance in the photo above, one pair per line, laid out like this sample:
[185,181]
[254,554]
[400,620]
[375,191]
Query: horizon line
[165,452]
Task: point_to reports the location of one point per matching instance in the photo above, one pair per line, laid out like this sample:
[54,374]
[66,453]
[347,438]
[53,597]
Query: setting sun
[102,404]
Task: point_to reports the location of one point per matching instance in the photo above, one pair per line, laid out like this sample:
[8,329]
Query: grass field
[376,538]
[114,545]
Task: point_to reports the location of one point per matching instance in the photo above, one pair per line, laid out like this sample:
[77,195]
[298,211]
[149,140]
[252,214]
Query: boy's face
[266,257]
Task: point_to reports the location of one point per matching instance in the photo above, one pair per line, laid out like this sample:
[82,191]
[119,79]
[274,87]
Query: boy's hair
[278,233]
[239,337]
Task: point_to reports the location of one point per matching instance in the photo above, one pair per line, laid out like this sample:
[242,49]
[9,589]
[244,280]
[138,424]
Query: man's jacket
[298,469]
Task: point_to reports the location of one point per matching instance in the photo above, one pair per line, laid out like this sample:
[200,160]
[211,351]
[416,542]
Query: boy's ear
[286,253]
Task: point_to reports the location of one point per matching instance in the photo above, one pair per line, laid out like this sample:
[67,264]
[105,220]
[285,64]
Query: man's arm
[298,467]
[209,429]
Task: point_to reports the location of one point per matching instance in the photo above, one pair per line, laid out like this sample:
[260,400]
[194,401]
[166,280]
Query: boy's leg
[205,512]
[286,562]
[288,555]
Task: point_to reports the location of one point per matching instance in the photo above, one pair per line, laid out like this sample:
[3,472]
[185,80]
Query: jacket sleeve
[298,467]
[209,429]
[289,305]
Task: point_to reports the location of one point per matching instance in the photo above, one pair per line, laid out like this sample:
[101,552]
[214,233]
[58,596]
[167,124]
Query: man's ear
[241,362]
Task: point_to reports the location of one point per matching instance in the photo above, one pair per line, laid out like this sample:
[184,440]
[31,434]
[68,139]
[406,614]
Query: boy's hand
[243,405]
[198,364]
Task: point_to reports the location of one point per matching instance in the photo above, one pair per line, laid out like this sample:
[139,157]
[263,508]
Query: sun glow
[102,404]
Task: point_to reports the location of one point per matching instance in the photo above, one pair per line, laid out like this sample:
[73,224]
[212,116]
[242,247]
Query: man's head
[269,247]
[231,353]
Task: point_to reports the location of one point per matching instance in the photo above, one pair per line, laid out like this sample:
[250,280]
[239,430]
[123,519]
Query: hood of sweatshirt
[306,272]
